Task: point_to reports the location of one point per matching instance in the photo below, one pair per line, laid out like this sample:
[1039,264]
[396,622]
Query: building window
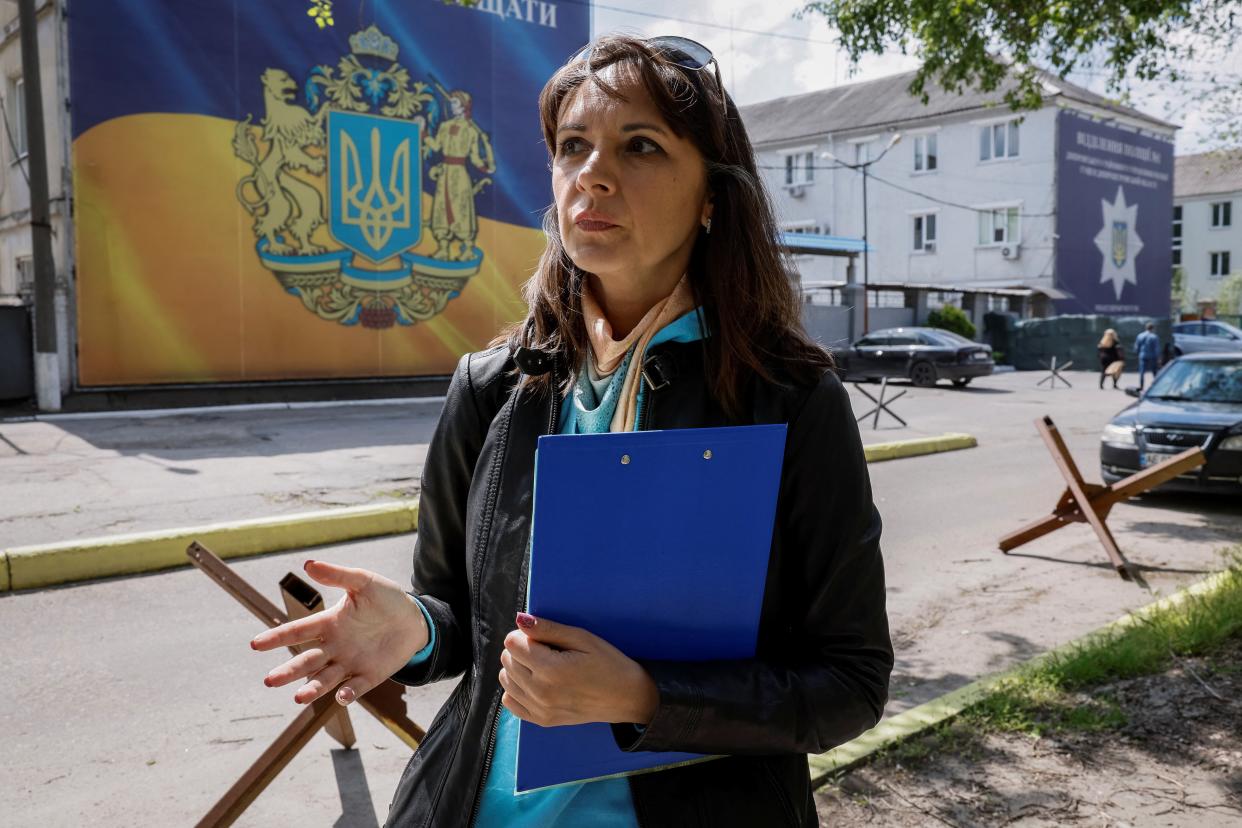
[1177,235]
[25,276]
[17,116]
[925,233]
[799,168]
[862,152]
[805,227]
[999,226]
[1222,214]
[1220,264]
[886,299]
[924,153]
[998,140]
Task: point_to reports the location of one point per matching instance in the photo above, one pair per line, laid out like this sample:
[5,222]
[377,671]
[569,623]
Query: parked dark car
[923,355]
[1195,401]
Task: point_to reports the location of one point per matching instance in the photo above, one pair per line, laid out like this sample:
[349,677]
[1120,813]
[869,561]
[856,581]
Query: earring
[708,226]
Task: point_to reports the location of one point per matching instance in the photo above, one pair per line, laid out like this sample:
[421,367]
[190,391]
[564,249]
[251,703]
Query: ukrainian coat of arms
[360,142]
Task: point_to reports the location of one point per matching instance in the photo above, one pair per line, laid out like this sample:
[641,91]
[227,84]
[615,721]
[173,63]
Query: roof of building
[884,101]
[1219,171]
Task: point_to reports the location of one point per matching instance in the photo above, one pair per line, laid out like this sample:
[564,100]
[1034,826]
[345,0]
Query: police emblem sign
[347,201]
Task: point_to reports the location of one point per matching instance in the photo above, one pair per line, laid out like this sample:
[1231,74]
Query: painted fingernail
[346,695]
[267,681]
[525,620]
[308,563]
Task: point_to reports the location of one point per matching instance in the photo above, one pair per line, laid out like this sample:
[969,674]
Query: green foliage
[958,40]
[1047,696]
[952,318]
[1229,297]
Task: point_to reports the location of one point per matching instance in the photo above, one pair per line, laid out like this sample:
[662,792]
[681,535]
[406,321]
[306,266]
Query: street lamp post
[866,247]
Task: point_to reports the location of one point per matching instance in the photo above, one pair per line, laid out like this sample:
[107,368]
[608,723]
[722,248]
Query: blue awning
[816,244]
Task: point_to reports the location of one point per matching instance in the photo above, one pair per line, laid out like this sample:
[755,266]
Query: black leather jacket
[824,657]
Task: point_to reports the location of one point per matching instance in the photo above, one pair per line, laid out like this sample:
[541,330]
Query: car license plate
[979,355]
[1151,458]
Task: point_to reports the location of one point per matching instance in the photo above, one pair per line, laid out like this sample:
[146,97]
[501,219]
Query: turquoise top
[605,803]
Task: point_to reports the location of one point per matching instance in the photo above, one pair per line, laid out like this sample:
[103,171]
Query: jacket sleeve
[831,683]
[440,582]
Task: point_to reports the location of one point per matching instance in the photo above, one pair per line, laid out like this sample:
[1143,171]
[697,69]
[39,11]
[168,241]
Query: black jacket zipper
[491,740]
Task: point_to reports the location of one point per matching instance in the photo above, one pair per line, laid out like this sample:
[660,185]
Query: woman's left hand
[554,674]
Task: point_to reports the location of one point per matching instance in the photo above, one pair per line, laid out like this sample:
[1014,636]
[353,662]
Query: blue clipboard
[657,542]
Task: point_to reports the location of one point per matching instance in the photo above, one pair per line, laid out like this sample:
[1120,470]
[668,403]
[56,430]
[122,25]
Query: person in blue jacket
[1147,346]
[662,300]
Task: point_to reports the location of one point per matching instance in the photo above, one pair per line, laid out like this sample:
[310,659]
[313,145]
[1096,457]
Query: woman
[660,302]
[1110,351]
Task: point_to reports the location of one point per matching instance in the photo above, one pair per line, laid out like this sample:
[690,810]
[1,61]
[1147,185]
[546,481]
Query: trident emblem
[376,193]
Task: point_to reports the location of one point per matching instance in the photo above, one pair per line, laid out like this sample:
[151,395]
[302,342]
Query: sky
[765,52]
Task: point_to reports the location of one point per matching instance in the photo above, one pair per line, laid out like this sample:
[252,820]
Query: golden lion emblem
[284,206]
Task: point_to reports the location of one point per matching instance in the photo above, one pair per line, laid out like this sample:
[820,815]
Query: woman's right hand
[367,636]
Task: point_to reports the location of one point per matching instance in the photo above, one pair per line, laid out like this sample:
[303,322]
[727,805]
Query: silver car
[1205,336]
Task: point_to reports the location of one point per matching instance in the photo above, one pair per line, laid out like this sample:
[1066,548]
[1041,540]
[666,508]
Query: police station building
[1063,209]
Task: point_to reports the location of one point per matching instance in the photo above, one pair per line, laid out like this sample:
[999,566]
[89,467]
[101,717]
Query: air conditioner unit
[1011,251]
[797,191]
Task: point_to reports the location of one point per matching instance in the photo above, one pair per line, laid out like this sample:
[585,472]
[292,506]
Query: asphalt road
[136,701]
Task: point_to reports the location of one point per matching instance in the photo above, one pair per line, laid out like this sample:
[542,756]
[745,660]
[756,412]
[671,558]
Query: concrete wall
[829,324]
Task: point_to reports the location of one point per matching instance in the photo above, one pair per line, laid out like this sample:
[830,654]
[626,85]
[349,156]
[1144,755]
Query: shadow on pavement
[357,810]
[187,437]
[1104,563]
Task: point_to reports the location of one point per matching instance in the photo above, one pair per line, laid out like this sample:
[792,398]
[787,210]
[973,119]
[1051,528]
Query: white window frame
[798,162]
[1175,247]
[1222,215]
[1219,264]
[920,140]
[23,272]
[919,244]
[862,146]
[991,210]
[17,118]
[804,226]
[1012,126]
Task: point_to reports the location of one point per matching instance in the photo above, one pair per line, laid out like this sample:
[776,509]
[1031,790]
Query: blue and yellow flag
[259,197]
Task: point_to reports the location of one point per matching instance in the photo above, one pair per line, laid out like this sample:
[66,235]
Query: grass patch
[1045,696]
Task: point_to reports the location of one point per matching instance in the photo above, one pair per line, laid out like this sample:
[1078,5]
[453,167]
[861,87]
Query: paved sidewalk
[80,477]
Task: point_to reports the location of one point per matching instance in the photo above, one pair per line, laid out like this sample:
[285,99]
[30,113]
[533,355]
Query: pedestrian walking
[1147,346]
[661,275]
[1112,359]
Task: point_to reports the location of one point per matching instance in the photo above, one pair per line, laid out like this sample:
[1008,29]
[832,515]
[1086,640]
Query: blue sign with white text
[1114,218]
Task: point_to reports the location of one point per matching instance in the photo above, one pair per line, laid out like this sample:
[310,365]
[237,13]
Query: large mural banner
[295,189]
[1114,214]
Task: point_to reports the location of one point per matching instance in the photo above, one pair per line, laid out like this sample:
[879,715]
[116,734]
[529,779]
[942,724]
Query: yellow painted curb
[57,563]
[4,571]
[877,452]
[914,721]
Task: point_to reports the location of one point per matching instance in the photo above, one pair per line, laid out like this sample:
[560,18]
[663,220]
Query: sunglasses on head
[680,51]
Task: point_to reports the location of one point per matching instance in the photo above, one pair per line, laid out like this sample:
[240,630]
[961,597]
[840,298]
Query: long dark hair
[738,274]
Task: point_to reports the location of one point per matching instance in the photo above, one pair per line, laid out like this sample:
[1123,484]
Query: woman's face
[630,195]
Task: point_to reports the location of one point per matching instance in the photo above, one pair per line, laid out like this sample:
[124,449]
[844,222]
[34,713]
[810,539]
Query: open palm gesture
[368,635]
